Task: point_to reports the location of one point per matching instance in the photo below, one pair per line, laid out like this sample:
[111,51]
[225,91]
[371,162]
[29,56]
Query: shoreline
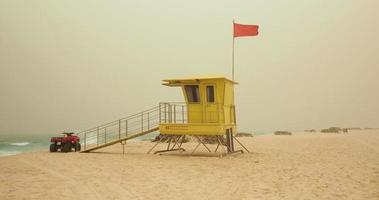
[266,133]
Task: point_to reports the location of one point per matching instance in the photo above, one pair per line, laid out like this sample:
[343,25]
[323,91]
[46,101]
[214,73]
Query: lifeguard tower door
[211,114]
[194,105]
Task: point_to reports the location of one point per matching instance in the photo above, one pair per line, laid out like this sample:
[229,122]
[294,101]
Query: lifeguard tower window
[210,94]
[192,92]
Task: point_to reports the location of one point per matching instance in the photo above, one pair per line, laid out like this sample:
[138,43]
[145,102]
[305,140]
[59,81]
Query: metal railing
[119,129]
[173,113]
[178,113]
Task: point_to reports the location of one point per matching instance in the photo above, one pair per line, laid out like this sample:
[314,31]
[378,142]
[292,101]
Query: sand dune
[301,166]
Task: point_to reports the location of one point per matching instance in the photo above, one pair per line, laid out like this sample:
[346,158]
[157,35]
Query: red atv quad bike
[65,144]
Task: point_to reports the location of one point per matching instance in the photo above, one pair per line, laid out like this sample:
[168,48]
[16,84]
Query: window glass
[210,94]
[192,92]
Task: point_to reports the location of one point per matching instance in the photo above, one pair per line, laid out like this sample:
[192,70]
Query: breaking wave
[20,143]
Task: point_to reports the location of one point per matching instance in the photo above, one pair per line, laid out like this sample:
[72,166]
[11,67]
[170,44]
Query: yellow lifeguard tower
[208,111]
[207,114]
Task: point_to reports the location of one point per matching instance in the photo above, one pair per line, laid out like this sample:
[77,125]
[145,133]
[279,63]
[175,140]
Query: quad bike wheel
[66,147]
[53,148]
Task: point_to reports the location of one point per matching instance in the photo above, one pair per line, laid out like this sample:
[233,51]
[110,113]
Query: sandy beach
[301,166]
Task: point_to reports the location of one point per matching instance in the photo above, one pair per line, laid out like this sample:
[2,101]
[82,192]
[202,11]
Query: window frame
[198,93]
[214,93]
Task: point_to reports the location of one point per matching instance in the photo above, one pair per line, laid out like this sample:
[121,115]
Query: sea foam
[20,143]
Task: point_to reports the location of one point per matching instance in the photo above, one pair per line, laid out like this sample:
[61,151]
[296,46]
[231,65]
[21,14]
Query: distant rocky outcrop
[282,133]
[242,134]
[310,130]
[331,130]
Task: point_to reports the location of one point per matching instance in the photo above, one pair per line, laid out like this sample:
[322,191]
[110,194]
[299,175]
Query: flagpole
[233,53]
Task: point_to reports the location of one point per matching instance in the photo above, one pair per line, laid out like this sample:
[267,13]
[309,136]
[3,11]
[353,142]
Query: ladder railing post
[160,120]
[126,128]
[165,113]
[119,129]
[105,135]
[141,121]
[148,121]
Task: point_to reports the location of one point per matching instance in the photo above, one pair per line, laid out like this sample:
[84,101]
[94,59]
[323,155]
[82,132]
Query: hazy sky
[75,64]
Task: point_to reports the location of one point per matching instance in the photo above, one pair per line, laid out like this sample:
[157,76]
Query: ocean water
[19,143]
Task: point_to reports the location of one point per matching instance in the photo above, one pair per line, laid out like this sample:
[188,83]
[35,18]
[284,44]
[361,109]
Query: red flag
[241,30]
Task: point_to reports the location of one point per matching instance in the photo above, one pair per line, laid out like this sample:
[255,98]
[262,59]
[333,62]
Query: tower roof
[193,80]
